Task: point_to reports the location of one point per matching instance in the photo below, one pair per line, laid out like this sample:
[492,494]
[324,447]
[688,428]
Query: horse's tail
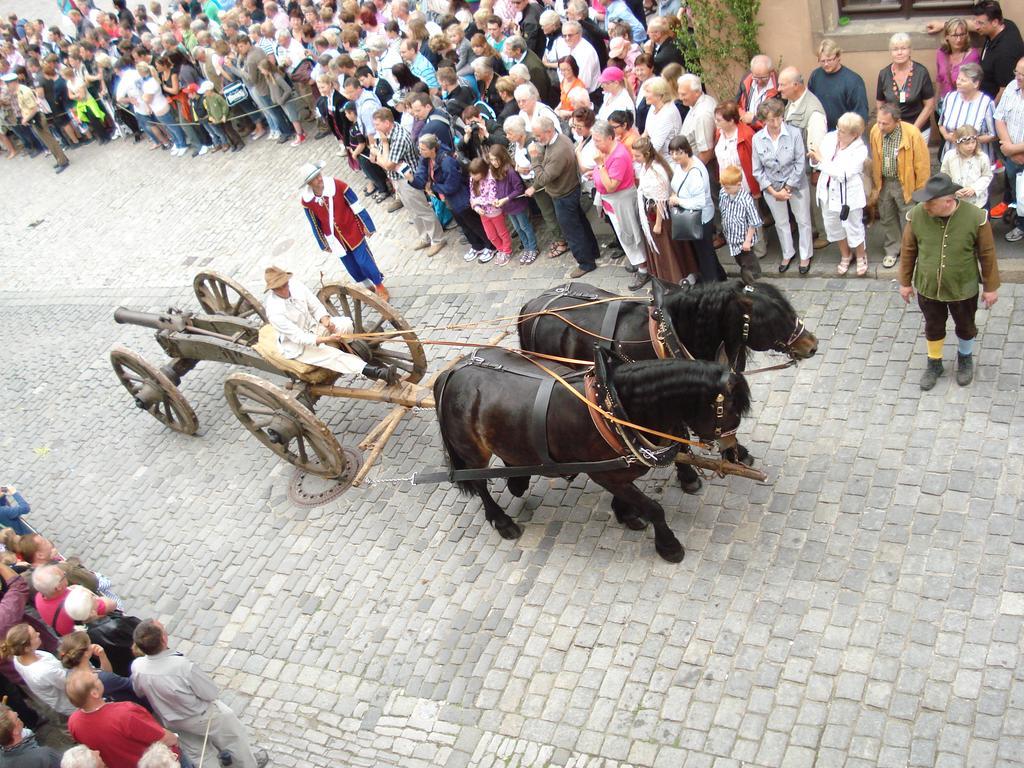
[452,457]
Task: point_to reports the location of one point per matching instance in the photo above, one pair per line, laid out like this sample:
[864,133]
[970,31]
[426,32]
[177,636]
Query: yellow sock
[935,349]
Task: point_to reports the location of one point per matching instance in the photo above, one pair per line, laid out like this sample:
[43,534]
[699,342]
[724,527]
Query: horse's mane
[703,316]
[662,391]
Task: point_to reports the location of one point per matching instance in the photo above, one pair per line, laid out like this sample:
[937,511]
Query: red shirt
[120,732]
[50,607]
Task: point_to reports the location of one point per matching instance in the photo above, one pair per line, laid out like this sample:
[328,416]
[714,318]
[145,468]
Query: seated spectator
[120,731]
[40,670]
[18,748]
[78,651]
[112,631]
[185,699]
[52,589]
[12,508]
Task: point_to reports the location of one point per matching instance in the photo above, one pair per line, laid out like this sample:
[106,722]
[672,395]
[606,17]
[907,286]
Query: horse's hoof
[693,487]
[673,553]
[634,523]
[508,529]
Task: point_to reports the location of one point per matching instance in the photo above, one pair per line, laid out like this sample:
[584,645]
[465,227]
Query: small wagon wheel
[153,392]
[371,314]
[220,295]
[284,425]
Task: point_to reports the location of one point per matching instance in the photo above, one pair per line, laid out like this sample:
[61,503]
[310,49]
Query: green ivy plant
[723,35]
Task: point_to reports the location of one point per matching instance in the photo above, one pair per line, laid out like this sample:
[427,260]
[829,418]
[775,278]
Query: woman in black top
[907,84]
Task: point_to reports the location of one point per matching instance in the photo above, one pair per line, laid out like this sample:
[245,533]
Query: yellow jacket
[913,163]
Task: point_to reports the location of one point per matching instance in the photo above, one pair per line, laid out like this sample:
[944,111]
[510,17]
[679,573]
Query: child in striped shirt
[740,221]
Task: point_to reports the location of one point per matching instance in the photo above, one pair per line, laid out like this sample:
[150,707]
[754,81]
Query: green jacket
[945,259]
[216,107]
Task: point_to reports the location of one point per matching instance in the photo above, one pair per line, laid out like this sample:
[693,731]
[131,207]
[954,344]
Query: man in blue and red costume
[341,225]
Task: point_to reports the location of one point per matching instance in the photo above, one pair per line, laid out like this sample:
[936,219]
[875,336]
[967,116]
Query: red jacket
[745,149]
[747,88]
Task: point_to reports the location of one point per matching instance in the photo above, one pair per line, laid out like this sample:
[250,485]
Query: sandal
[889,261]
[557,248]
[844,266]
[380,197]
[862,265]
[528,257]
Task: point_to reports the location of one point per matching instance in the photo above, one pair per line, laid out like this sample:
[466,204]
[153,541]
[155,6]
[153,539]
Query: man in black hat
[947,250]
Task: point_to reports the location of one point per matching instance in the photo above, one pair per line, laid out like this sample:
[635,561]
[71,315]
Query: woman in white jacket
[840,159]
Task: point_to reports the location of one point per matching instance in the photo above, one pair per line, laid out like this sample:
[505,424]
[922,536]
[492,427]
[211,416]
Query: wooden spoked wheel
[398,345]
[153,392]
[284,425]
[220,295]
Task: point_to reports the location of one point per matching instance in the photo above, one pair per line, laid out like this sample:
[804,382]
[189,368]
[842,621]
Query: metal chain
[371,481]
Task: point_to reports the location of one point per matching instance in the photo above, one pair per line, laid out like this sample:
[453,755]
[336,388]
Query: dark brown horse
[497,407]
[708,319]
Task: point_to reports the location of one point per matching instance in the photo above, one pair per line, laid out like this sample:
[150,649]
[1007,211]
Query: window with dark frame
[866,9]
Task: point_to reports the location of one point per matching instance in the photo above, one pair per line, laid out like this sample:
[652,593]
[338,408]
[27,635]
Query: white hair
[542,125]
[514,124]
[900,38]
[690,80]
[550,18]
[482,64]
[79,604]
[579,97]
[82,757]
[45,580]
[158,755]
[519,72]
[571,26]
[526,91]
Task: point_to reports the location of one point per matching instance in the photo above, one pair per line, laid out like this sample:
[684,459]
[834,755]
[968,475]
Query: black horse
[496,406]
[704,317]
[709,321]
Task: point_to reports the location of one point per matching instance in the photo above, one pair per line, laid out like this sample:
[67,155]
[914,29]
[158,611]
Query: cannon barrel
[160,321]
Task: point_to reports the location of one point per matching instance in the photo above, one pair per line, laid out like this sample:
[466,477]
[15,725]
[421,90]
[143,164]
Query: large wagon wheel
[371,314]
[153,392]
[284,425]
[220,295]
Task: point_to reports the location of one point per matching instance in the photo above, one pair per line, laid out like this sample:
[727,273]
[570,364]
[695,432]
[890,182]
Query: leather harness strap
[606,432]
[539,421]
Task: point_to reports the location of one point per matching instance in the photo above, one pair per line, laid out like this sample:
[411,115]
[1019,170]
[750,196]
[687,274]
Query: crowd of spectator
[73,661]
[521,123]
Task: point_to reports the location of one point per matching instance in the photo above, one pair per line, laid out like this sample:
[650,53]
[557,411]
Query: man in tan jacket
[900,165]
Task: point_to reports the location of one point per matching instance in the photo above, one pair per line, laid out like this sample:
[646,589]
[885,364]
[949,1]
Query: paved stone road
[863,608]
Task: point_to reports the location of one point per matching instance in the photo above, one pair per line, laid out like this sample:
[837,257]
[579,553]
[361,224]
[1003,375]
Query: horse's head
[774,324]
[707,398]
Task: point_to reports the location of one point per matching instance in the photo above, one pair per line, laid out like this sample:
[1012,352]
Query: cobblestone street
[862,608]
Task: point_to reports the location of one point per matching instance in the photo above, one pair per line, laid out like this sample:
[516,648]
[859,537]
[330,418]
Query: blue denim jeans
[220,139]
[1010,185]
[276,118]
[167,120]
[576,229]
[521,222]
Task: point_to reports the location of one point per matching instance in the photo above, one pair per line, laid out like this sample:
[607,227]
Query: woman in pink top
[954,52]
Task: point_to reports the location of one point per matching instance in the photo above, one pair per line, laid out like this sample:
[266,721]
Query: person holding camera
[840,160]
[12,507]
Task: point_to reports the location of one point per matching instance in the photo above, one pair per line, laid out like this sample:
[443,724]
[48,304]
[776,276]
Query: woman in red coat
[734,145]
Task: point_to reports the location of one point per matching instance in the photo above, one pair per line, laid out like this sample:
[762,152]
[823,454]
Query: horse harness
[631,446]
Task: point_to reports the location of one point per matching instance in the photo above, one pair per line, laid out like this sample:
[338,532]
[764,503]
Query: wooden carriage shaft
[409,396]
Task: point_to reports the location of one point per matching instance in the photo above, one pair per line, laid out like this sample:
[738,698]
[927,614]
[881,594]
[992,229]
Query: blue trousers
[1010,187]
[521,222]
[361,266]
[576,229]
[167,120]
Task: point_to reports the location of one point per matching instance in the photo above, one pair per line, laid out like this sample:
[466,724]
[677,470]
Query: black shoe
[138,137]
[61,168]
[805,269]
[388,373]
[784,265]
[284,139]
[931,374]
[964,369]
[35,153]
[321,134]
[615,254]
[642,278]
[631,268]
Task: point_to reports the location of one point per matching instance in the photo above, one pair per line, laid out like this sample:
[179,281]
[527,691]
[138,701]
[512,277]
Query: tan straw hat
[275,277]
